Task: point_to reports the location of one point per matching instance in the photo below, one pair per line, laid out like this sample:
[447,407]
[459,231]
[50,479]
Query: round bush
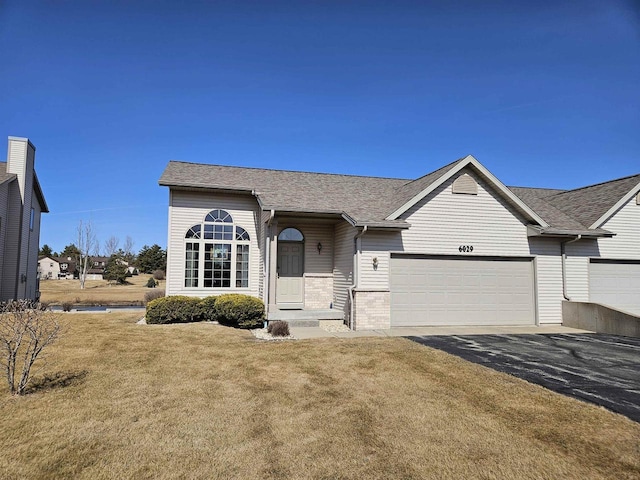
[239,310]
[174,309]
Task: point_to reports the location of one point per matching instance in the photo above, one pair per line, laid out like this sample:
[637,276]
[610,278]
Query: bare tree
[25,330]
[87,244]
[111,246]
[127,248]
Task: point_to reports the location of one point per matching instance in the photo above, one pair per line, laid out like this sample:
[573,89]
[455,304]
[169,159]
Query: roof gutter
[563,253]
[357,244]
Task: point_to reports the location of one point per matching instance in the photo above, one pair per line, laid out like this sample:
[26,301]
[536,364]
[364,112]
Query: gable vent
[465,184]
[638,199]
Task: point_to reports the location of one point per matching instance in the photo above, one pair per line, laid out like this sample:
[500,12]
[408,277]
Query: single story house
[21,204]
[454,247]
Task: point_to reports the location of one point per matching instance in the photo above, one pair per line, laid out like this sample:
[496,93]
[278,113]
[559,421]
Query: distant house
[21,204]
[454,247]
[55,268]
[96,272]
[64,268]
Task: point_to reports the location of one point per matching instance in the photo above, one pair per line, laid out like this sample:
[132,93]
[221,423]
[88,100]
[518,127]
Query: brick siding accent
[372,310]
[318,291]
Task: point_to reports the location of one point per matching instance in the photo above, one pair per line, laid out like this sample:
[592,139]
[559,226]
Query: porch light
[319,247]
[375,263]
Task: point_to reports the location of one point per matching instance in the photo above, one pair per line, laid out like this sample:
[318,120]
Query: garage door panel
[465,291]
[616,284]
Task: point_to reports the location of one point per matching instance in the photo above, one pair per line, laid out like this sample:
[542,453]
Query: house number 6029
[465,248]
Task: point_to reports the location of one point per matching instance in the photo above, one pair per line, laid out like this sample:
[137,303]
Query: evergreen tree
[151,259]
[115,270]
[70,251]
[45,251]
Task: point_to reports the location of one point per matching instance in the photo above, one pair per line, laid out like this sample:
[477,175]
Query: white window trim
[201,242]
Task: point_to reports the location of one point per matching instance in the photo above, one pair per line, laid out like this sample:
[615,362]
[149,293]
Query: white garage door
[461,291]
[615,283]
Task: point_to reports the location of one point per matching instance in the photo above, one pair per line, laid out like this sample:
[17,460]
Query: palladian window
[217,253]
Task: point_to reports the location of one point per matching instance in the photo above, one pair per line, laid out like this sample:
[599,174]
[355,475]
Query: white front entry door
[290,283]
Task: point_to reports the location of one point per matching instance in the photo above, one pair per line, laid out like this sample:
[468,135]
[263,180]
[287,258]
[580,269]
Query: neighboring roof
[378,202]
[4,176]
[589,204]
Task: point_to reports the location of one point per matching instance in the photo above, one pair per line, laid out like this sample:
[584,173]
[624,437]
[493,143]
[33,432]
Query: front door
[290,283]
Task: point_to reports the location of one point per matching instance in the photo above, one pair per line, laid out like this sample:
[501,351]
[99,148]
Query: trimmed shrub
[152,295]
[239,310]
[158,274]
[66,306]
[174,309]
[151,283]
[278,328]
[207,309]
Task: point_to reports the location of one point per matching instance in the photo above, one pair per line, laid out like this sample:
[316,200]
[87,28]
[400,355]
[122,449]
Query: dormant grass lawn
[98,292]
[205,401]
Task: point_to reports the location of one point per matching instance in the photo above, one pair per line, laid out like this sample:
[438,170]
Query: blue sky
[543,93]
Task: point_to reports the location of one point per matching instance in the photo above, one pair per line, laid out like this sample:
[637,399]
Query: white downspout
[267,262]
[563,255]
[356,273]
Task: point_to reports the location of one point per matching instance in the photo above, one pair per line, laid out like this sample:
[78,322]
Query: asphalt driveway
[598,368]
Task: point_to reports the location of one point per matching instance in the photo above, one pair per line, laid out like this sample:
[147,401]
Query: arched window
[224,248]
[291,235]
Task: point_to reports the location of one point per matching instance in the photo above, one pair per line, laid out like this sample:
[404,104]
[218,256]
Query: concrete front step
[306,318]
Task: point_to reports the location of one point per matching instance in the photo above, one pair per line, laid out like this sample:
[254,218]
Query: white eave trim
[621,203]
[351,221]
[470,160]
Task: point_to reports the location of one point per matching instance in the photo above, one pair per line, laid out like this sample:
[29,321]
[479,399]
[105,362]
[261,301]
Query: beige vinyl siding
[377,245]
[548,265]
[189,208]
[16,162]
[626,225]
[441,223]
[343,265]
[577,268]
[314,233]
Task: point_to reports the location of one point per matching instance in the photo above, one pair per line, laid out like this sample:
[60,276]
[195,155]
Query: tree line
[86,247]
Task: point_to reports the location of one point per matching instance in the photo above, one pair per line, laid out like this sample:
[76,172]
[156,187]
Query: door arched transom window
[217,253]
[291,235]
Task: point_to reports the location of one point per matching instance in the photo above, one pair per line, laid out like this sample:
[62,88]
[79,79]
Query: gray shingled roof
[588,204]
[369,200]
[4,176]
[364,199]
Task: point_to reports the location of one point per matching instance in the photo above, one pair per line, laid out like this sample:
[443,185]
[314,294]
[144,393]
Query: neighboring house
[21,204]
[96,272]
[66,268]
[53,268]
[453,247]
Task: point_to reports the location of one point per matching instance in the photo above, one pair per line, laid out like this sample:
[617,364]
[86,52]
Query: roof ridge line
[600,183]
[291,171]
